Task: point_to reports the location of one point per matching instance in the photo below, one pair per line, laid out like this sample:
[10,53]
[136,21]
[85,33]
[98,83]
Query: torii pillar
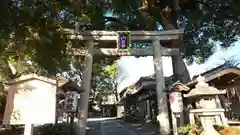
[162,117]
[84,97]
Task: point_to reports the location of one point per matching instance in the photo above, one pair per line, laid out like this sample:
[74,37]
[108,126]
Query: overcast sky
[134,68]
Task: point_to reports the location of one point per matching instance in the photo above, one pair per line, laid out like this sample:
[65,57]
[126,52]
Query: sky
[134,68]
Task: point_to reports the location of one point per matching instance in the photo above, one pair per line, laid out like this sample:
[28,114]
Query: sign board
[123,41]
[31,101]
[176,101]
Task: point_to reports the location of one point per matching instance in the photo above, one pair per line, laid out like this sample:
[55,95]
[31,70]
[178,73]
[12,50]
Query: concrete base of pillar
[164,126]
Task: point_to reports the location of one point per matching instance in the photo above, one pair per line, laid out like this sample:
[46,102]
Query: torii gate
[156,50]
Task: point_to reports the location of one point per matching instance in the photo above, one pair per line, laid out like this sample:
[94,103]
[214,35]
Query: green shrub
[223,130]
[197,130]
[190,130]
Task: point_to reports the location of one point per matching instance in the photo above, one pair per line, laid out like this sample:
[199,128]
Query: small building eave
[63,83]
[215,74]
[29,77]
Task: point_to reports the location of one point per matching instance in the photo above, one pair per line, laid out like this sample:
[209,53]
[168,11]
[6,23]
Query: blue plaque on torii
[123,41]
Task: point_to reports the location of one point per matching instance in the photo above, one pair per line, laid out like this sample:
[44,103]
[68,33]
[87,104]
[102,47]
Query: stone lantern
[206,109]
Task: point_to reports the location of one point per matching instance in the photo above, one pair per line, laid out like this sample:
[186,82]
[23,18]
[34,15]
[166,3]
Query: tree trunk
[168,18]
[179,69]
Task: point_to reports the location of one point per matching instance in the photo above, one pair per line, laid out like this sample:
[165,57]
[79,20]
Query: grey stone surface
[106,126]
[93,128]
[142,128]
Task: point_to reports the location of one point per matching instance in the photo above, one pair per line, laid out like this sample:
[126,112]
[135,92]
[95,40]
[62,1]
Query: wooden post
[103,112]
[57,113]
[174,123]
[219,105]
[66,107]
[148,110]
[28,129]
[84,97]
[120,110]
[191,118]
[162,117]
[71,122]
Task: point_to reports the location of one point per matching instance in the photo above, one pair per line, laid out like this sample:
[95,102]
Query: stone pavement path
[141,128]
[106,126]
[113,126]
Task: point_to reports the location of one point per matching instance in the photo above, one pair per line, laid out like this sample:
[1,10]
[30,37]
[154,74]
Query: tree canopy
[29,29]
[104,81]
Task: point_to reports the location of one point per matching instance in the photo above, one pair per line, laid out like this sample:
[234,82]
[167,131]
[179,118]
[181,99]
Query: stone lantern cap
[177,87]
[203,89]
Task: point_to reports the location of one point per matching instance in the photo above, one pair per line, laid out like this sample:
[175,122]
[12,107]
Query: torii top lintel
[135,35]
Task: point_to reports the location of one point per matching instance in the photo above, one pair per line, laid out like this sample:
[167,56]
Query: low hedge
[47,129]
[54,129]
[11,130]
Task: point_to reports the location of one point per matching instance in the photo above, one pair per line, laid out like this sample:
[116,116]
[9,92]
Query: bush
[227,130]
[197,130]
[190,130]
